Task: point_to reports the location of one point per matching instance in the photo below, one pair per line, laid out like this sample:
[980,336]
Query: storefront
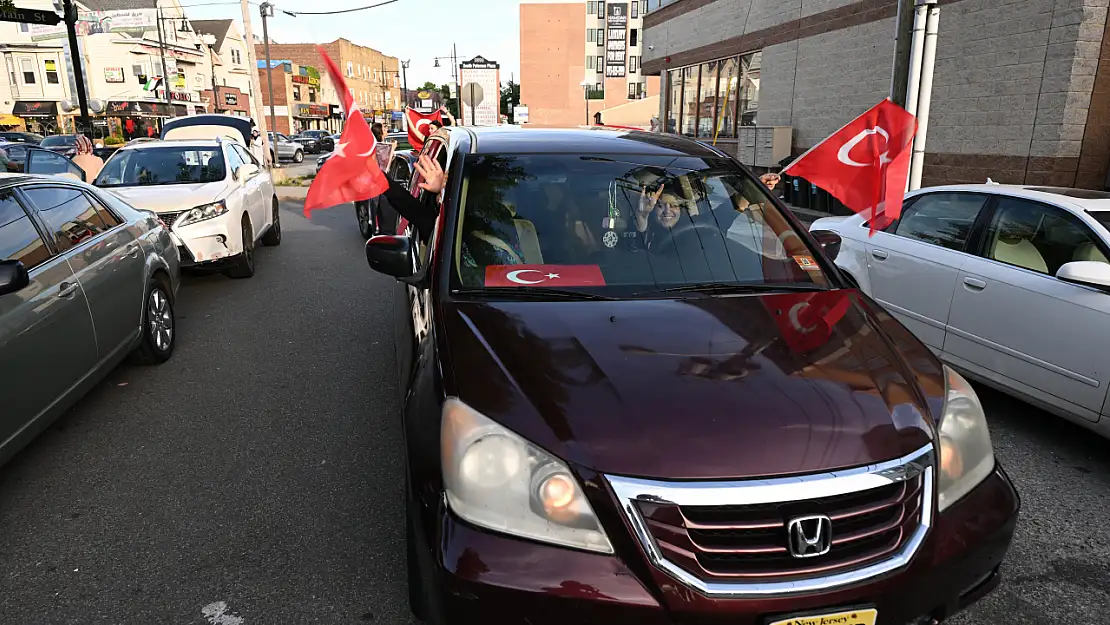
[335,123]
[39,116]
[310,116]
[134,119]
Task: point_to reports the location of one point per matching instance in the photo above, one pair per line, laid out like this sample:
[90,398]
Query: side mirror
[1089,273]
[245,171]
[13,276]
[830,242]
[391,255]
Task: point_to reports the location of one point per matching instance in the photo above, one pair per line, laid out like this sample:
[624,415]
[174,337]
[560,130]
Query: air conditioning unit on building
[764,146]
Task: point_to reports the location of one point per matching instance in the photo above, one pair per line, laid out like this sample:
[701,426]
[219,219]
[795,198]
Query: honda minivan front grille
[787,535]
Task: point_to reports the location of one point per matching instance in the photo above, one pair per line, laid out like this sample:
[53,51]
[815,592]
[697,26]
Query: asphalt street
[256,478]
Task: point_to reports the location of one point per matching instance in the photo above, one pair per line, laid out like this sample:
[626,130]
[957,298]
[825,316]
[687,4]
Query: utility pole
[903,36]
[212,69]
[404,85]
[70,10]
[162,53]
[256,89]
[267,11]
[458,86]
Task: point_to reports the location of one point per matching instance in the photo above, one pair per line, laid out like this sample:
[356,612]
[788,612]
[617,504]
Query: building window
[600,63]
[51,67]
[311,95]
[599,87]
[591,9]
[674,100]
[350,69]
[707,98]
[633,38]
[636,90]
[590,62]
[635,13]
[601,8]
[590,35]
[296,93]
[749,88]
[633,64]
[28,68]
[715,98]
[643,7]
[725,124]
[689,121]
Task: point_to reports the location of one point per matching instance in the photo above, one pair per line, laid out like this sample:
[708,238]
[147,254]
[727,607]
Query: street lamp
[454,73]
[586,84]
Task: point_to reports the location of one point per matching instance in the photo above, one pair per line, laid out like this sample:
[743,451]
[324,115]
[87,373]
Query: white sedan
[1010,284]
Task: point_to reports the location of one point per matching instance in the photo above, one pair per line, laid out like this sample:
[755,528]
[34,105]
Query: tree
[510,97]
[428,86]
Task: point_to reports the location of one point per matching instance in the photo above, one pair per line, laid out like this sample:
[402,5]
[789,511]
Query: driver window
[234,161]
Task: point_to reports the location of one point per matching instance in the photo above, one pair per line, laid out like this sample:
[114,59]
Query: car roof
[583,140]
[1074,200]
[182,143]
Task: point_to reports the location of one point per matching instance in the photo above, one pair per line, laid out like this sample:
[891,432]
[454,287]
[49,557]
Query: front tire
[298,157]
[365,219]
[272,238]
[243,266]
[159,330]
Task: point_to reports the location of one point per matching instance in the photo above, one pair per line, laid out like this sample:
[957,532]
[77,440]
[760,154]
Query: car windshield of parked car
[57,140]
[623,224]
[402,141]
[161,166]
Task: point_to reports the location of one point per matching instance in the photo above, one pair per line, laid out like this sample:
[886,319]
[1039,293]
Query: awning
[10,120]
[35,108]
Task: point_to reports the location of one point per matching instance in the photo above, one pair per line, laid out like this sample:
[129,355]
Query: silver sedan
[85,281]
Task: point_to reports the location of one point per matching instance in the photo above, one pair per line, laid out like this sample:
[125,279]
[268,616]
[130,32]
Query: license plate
[848,617]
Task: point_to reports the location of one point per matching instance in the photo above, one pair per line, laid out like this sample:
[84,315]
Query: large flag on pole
[865,164]
[352,173]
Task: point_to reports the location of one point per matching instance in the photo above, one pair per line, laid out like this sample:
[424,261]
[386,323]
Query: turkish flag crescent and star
[865,164]
[417,123]
[544,275]
[352,173]
[806,320]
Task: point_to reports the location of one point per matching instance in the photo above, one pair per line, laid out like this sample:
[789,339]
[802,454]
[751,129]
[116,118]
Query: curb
[291,193]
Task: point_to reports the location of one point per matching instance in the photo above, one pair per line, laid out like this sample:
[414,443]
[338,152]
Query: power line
[372,6]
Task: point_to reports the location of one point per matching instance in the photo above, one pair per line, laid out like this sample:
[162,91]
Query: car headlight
[497,480]
[203,212]
[966,454]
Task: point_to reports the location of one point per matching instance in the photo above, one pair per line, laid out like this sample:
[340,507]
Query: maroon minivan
[636,390]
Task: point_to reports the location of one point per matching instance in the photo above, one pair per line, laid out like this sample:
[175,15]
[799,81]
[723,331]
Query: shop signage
[30,16]
[616,50]
[37,108]
[479,62]
[301,79]
[481,80]
[130,108]
[113,74]
[312,110]
[423,95]
[231,99]
[181,96]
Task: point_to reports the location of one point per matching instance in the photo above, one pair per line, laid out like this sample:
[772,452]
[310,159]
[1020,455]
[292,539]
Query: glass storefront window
[707,99]
[674,101]
[690,100]
[749,88]
[726,97]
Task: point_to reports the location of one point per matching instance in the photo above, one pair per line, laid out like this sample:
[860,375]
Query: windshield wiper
[732,287]
[532,292]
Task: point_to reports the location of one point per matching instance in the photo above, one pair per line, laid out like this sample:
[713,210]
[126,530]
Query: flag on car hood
[352,173]
[865,164]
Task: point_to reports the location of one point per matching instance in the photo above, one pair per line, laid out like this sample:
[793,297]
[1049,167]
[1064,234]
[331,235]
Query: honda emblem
[809,536]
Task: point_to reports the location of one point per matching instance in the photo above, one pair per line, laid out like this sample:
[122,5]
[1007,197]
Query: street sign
[473,94]
[30,16]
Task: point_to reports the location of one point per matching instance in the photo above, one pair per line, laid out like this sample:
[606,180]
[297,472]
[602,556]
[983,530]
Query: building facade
[1021,92]
[299,102]
[229,67]
[374,78]
[586,55]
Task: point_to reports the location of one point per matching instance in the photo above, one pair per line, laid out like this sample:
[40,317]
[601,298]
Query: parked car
[1002,282]
[315,141]
[85,280]
[620,409]
[375,215]
[66,145]
[213,194]
[286,148]
[32,138]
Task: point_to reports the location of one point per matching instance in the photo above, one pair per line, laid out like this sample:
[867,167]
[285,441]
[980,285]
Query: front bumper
[491,578]
[208,243]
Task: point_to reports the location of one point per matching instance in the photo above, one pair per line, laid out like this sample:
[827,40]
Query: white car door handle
[975,284]
[67,289]
[878,254]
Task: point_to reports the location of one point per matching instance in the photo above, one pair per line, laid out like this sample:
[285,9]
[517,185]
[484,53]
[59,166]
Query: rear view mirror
[1086,272]
[830,242]
[391,255]
[13,276]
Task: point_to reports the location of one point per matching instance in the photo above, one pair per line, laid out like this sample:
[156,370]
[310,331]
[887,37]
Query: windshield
[162,165]
[402,141]
[59,140]
[623,224]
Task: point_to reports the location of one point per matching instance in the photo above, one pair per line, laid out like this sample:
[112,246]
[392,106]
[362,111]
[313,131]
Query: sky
[490,28]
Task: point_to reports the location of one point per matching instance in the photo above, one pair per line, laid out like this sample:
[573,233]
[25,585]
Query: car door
[1013,321]
[260,184]
[244,192]
[912,265]
[105,256]
[47,163]
[47,342]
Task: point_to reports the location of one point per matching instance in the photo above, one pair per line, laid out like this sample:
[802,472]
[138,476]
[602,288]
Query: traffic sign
[29,16]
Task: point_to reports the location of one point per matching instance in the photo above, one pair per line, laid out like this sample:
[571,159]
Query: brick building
[1020,92]
[299,98]
[373,77]
[564,45]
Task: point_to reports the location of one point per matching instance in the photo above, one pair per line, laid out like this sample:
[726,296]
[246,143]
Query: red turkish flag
[806,320]
[352,173]
[866,163]
[544,275]
[418,126]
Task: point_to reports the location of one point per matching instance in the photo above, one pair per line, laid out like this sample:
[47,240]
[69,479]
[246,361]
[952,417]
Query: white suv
[213,194]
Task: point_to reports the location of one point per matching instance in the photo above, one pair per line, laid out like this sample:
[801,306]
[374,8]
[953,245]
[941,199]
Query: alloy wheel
[159,319]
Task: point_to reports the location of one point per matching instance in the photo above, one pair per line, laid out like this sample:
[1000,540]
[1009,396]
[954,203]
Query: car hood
[713,388]
[171,198]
